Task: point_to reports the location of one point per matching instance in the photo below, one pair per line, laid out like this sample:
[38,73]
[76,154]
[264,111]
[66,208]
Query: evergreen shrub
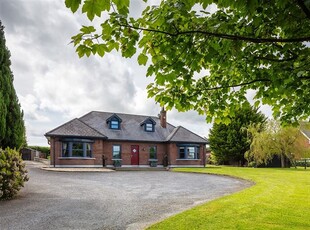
[12,173]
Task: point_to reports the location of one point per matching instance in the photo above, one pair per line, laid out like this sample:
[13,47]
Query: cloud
[76,87]
[54,85]
[30,106]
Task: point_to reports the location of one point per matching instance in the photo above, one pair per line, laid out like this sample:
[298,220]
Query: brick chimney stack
[163,117]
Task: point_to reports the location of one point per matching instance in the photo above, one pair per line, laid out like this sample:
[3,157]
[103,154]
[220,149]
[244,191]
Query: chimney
[163,117]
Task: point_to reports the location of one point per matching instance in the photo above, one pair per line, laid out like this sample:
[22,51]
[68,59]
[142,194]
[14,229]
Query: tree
[284,142]
[230,142]
[12,128]
[208,61]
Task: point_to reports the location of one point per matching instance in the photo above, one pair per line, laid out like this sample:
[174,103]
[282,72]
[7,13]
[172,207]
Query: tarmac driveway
[108,200]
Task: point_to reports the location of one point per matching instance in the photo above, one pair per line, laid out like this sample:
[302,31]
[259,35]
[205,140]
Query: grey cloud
[13,14]
[54,85]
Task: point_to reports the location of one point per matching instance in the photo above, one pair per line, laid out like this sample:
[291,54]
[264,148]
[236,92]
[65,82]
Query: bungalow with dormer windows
[100,139]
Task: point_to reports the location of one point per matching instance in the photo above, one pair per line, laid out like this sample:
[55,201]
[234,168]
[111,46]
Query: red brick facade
[103,148]
[173,156]
[305,141]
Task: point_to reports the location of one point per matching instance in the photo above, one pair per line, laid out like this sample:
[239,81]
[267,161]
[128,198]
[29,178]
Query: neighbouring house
[305,130]
[115,139]
[305,133]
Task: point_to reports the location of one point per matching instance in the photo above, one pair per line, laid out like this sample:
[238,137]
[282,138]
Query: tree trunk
[282,161]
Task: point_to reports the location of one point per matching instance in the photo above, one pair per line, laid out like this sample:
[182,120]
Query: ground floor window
[188,151]
[116,150]
[76,148]
[153,152]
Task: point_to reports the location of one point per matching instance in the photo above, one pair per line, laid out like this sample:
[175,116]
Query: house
[115,139]
[305,131]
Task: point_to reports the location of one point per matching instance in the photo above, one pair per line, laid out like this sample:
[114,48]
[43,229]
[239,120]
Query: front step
[140,169]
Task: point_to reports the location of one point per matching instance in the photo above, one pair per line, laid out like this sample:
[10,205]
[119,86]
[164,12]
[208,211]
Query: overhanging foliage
[209,61]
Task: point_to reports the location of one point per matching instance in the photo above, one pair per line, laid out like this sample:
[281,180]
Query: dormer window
[114,122]
[149,125]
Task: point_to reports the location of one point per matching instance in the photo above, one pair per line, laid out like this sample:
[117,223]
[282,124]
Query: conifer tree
[12,128]
[230,142]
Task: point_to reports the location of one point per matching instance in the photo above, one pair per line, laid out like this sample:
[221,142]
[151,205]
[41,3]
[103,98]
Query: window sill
[153,160]
[76,158]
[117,159]
[188,159]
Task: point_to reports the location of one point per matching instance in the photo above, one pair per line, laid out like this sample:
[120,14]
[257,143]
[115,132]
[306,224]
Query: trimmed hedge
[12,173]
[42,149]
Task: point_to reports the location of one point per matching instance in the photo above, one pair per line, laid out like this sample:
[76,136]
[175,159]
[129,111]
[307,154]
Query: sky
[54,85]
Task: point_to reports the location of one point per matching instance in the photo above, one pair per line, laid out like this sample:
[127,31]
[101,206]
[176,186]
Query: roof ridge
[85,114]
[171,135]
[91,127]
[178,128]
[193,133]
[147,116]
[119,113]
[75,119]
[60,126]
[303,133]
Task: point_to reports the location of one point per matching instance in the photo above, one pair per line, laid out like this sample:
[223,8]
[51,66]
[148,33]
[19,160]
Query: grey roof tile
[305,129]
[75,128]
[181,134]
[94,124]
[131,128]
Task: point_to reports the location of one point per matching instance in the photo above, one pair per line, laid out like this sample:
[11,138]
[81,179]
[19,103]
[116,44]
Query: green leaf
[73,4]
[230,49]
[106,30]
[142,59]
[101,48]
[256,104]
[94,8]
[122,6]
[129,52]
[81,50]
[87,29]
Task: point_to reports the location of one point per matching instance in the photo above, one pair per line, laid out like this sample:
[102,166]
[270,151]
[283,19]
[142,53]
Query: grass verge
[280,199]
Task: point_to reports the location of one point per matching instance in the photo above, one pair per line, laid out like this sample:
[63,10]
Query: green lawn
[280,199]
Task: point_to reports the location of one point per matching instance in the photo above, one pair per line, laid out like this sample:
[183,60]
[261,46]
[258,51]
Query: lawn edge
[219,174]
[252,183]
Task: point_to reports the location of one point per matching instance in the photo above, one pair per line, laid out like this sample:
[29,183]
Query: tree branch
[224,36]
[249,83]
[304,8]
[236,85]
[275,60]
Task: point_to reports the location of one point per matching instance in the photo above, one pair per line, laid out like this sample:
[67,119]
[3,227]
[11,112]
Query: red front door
[135,154]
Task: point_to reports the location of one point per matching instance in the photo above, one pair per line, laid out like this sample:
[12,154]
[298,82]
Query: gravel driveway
[110,200]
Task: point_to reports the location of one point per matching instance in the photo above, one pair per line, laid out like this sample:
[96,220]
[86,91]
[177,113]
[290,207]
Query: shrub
[12,173]
[252,164]
[212,159]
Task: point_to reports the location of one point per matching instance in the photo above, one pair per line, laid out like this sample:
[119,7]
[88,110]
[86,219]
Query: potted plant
[153,162]
[117,162]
